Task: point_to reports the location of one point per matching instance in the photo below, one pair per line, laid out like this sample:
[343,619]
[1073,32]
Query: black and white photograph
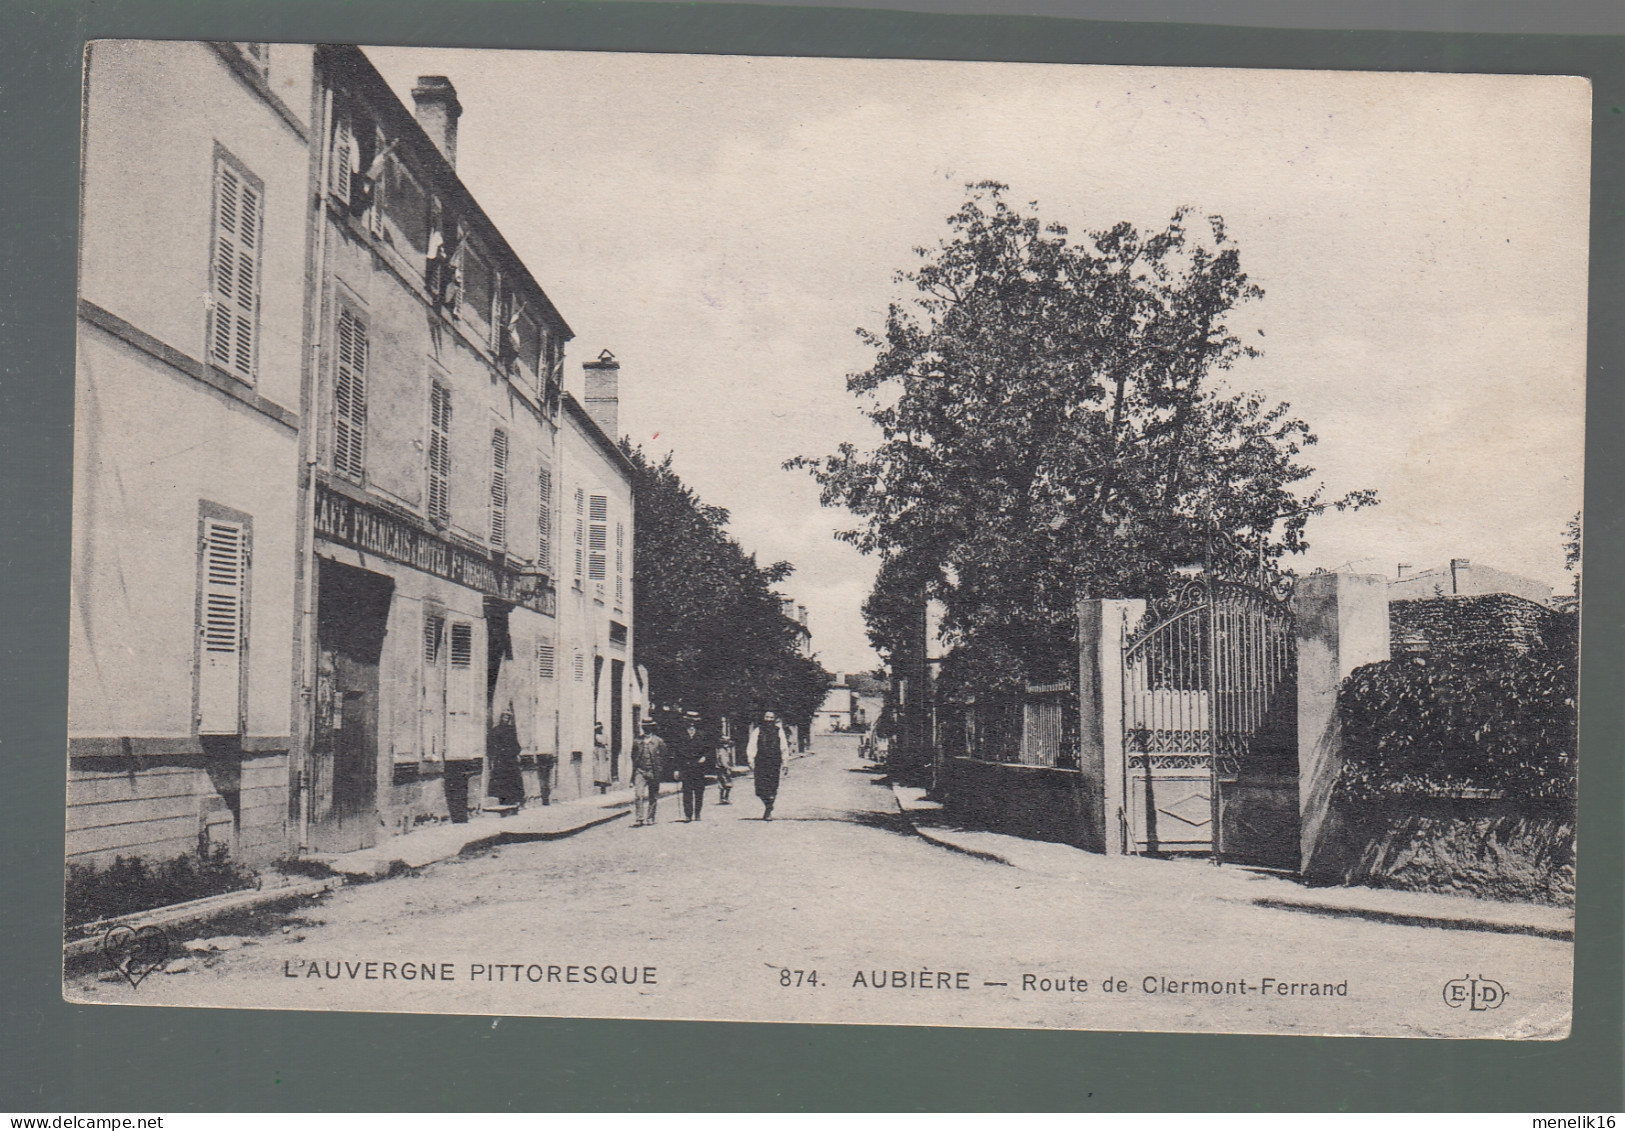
[833,540]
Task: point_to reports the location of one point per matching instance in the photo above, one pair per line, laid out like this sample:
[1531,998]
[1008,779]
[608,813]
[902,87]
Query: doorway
[352,614]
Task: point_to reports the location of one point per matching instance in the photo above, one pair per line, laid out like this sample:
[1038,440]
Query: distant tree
[1572,533]
[1050,428]
[710,629]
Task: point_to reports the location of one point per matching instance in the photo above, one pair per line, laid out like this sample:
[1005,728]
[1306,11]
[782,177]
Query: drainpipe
[308,415]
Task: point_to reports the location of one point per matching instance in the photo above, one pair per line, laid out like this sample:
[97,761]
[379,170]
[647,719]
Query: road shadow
[864,818]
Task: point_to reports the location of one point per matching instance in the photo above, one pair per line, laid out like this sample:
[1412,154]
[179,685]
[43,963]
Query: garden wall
[1519,849]
[1036,802]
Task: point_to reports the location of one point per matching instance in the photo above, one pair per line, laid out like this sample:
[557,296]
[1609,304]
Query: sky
[726,224]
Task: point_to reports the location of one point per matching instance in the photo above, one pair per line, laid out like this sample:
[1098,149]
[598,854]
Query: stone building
[329,488]
[453,483]
[191,351]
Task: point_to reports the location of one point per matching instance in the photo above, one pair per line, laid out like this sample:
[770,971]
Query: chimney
[1459,569]
[1404,568]
[438,111]
[603,398]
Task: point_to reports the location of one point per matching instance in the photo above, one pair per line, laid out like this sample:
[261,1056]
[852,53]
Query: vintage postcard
[827,540]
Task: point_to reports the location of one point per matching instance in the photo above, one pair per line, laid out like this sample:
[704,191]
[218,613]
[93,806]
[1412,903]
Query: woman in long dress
[769,763]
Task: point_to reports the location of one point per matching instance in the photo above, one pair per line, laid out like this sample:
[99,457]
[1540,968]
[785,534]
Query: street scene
[800,917]
[887,542]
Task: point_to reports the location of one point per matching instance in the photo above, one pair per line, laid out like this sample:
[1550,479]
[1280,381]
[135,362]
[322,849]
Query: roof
[352,65]
[598,436]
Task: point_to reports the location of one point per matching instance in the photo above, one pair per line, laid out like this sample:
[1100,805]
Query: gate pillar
[1342,623]
[1102,627]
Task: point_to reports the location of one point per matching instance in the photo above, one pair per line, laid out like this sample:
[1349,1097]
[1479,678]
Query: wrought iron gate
[1209,718]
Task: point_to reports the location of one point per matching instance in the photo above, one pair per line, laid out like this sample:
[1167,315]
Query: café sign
[373,530]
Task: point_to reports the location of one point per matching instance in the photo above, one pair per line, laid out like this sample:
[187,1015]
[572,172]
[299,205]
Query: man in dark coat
[693,759]
[769,763]
[505,785]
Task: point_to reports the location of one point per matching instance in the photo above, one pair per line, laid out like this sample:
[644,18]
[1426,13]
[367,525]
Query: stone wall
[1036,802]
[1449,625]
[1488,848]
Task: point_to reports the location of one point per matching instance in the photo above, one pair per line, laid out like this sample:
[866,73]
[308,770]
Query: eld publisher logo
[1477,994]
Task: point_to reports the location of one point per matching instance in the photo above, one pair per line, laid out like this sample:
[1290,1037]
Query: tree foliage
[1503,724]
[1050,428]
[711,631]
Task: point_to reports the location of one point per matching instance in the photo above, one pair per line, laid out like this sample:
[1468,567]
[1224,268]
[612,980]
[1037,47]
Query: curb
[939,840]
[197,911]
[1415,918]
[1306,904]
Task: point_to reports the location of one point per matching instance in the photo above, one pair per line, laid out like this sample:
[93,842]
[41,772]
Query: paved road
[715,919]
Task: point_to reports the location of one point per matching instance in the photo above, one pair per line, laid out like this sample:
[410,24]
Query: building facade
[347,557]
[453,485]
[191,351]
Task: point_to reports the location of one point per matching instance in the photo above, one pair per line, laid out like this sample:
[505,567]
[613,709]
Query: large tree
[711,630]
[1050,427]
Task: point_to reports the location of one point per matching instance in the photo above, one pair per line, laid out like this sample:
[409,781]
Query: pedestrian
[769,762]
[648,767]
[723,760]
[600,758]
[693,759]
[505,784]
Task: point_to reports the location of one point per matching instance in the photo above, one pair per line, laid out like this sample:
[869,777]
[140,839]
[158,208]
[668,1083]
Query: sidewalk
[396,854]
[445,840]
[1189,878]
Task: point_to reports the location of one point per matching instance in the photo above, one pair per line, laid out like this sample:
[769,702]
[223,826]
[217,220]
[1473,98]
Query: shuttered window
[620,562]
[499,488]
[222,627]
[581,548]
[544,520]
[434,628]
[343,167]
[544,660]
[234,270]
[598,539]
[439,454]
[580,666]
[462,644]
[350,398]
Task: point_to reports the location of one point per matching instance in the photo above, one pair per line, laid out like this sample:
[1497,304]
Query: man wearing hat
[693,760]
[648,765]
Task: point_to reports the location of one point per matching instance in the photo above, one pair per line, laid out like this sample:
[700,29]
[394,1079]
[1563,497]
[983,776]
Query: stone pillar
[1102,626]
[1342,624]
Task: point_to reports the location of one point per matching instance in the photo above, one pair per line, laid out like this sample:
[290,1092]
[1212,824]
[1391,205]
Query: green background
[58,1058]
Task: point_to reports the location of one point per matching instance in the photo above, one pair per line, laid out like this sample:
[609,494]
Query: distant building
[1462,578]
[835,714]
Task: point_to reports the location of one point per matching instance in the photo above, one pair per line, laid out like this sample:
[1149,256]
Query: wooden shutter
[598,539]
[499,488]
[439,453]
[222,626]
[235,272]
[432,711]
[544,660]
[350,398]
[462,644]
[620,563]
[344,161]
[544,520]
[580,532]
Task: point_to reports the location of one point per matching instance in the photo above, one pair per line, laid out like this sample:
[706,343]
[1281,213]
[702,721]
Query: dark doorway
[617,676]
[504,782]
[352,614]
